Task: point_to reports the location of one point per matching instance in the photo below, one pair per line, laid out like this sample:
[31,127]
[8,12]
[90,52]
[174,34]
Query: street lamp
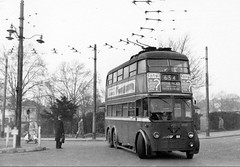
[13,30]
[20,37]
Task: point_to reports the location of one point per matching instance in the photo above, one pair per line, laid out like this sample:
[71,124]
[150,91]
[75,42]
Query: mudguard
[146,140]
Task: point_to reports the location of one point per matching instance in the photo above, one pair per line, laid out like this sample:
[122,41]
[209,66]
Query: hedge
[231,120]
[100,119]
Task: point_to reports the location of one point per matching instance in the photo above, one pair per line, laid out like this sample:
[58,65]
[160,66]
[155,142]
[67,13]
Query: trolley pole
[94,92]
[207,95]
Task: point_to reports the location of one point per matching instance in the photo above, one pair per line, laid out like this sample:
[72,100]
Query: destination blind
[168,83]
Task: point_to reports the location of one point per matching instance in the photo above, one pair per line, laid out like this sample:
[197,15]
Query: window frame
[131,109]
[110,79]
[120,74]
[119,109]
[133,69]
[125,109]
[115,77]
[141,66]
[126,72]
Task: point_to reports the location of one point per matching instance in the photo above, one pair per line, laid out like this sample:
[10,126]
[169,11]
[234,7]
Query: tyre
[141,150]
[189,155]
[109,139]
[115,140]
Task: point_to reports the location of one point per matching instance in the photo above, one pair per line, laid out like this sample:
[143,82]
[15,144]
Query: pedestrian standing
[59,132]
[221,124]
[80,129]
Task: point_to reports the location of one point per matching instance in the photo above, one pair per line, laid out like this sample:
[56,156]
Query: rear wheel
[189,155]
[115,140]
[141,150]
[109,138]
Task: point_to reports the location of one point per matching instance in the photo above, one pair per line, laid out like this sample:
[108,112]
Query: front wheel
[189,155]
[141,150]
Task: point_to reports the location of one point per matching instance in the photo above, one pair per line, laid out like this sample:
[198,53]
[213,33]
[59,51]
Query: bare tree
[225,102]
[34,71]
[75,82]
[183,46]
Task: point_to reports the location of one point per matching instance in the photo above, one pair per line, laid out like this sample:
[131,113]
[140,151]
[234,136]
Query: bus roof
[161,53]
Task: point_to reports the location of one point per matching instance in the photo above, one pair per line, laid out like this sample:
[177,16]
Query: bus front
[169,106]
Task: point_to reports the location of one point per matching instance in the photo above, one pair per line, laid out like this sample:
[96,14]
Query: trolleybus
[149,104]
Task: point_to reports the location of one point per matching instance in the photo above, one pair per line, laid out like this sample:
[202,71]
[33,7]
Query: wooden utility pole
[94,93]
[4,96]
[207,95]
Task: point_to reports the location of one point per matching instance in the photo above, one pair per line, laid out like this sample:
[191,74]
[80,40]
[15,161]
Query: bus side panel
[133,127]
[122,130]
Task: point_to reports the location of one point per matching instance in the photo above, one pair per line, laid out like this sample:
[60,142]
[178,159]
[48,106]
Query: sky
[80,23]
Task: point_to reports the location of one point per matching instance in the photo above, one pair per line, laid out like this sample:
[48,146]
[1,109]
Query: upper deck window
[114,77]
[126,72]
[158,65]
[132,69]
[164,65]
[141,66]
[120,74]
[179,66]
[110,77]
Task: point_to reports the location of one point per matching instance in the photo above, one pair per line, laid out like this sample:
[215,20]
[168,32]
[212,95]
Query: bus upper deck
[150,72]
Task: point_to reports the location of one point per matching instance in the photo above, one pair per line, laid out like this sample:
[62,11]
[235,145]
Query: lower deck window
[125,110]
[109,110]
[119,110]
[131,109]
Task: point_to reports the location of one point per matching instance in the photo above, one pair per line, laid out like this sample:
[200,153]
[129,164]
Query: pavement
[29,147]
[218,134]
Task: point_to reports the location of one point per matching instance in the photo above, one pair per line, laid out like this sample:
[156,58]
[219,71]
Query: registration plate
[172,137]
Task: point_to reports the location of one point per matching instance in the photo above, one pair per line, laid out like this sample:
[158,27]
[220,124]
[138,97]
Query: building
[29,112]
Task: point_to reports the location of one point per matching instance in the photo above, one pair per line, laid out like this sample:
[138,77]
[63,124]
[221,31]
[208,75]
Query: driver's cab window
[161,109]
[177,110]
[188,109]
[138,108]
[145,108]
[183,109]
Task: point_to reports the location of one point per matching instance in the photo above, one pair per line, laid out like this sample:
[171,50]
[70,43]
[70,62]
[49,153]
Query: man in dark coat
[59,132]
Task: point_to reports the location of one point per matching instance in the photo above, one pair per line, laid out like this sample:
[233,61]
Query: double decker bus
[149,104]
